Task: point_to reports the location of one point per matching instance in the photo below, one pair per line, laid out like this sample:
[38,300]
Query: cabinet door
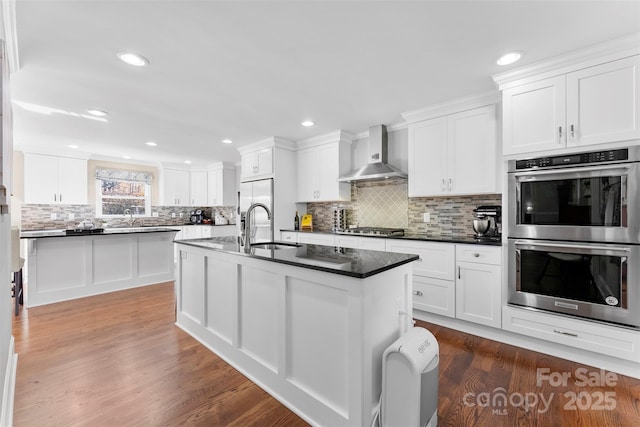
[603,103]
[472,152]
[534,116]
[72,181]
[308,175]
[428,158]
[434,295]
[248,168]
[182,188]
[214,179]
[264,161]
[478,293]
[40,179]
[198,188]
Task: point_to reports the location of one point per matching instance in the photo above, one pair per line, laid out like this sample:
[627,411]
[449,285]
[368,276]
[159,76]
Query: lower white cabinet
[289,236]
[479,284]
[434,295]
[598,338]
[358,242]
[316,238]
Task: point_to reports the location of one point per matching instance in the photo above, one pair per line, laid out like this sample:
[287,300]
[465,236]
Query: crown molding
[453,106]
[328,138]
[75,154]
[10,34]
[593,55]
[221,166]
[272,141]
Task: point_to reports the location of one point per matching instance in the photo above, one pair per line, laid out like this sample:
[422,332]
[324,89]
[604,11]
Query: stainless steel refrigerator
[260,191]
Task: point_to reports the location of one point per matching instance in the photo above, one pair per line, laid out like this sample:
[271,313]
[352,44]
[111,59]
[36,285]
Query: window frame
[99,199]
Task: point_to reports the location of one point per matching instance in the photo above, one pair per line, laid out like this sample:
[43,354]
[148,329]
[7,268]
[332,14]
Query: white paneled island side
[307,323]
[63,267]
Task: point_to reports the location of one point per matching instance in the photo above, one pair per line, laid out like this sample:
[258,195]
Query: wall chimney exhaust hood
[377,168]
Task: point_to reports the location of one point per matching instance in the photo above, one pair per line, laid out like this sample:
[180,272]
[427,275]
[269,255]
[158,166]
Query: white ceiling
[251,70]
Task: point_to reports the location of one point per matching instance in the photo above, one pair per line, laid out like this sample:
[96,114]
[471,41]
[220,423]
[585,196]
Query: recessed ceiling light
[126,157]
[307,123]
[72,146]
[227,141]
[133,59]
[509,58]
[151,144]
[97,113]
[188,162]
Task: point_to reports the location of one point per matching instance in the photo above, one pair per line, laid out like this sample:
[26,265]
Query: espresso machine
[487,222]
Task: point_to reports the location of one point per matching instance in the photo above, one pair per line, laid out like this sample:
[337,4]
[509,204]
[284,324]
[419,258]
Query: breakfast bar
[307,323]
[64,265]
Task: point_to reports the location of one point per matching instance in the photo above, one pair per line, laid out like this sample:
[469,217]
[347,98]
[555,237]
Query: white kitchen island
[62,267]
[308,324]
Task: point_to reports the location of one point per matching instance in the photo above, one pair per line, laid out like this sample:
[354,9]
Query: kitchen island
[307,323]
[63,266]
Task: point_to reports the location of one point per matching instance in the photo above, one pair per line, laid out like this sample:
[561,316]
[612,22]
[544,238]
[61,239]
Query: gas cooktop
[376,231]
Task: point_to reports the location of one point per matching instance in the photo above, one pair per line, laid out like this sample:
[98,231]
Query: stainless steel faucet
[246,232]
[131,220]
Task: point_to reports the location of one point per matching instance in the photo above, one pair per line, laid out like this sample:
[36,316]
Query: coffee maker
[487,223]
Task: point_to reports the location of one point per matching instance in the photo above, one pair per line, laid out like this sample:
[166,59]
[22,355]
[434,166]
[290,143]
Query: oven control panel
[574,159]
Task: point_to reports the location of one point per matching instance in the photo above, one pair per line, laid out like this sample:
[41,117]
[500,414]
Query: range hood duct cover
[377,168]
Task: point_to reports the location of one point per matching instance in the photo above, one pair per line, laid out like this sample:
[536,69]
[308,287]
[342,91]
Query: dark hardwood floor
[119,360]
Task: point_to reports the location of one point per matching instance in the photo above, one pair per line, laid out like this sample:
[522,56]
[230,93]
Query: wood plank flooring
[119,360]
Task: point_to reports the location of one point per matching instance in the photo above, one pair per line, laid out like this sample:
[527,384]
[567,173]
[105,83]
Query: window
[119,192]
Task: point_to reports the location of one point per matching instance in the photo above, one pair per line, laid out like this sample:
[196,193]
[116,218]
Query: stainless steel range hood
[377,168]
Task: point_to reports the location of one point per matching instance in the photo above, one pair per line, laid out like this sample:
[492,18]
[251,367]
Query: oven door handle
[572,170]
[571,246]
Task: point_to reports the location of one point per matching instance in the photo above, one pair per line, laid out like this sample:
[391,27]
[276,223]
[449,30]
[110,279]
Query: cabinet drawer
[479,253]
[609,340]
[316,238]
[434,295]
[437,259]
[371,243]
[289,236]
[346,241]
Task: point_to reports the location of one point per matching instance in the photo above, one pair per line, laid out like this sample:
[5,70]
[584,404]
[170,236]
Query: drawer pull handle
[571,334]
[418,293]
[476,254]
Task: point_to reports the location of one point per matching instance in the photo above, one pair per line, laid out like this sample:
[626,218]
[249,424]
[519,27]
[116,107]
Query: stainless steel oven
[590,197]
[593,280]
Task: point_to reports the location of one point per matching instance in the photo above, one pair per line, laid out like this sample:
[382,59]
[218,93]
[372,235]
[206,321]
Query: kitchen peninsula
[63,266]
[307,323]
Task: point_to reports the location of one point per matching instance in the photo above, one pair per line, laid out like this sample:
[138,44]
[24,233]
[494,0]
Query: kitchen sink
[274,245]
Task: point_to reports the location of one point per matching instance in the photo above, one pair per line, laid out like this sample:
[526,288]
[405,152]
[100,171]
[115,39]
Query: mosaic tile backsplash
[386,204]
[38,217]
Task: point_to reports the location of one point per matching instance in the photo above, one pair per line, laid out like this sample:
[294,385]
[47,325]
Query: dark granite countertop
[37,234]
[357,263]
[425,237]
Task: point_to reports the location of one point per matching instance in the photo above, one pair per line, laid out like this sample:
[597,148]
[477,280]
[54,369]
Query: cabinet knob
[418,293]
[476,254]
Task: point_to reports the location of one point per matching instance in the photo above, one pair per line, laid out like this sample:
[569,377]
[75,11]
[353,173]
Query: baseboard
[8,395]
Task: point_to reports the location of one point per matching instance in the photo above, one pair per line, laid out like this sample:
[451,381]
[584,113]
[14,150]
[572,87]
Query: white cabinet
[359,242]
[454,154]
[592,105]
[55,180]
[257,164]
[599,338]
[198,188]
[319,167]
[176,187]
[433,274]
[316,238]
[479,284]
[221,186]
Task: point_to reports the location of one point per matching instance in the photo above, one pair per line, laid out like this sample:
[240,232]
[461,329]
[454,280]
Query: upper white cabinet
[176,189]
[454,154]
[54,180]
[587,97]
[257,164]
[321,161]
[198,187]
[222,189]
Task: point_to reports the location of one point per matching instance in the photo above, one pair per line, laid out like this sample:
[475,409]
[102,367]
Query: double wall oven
[574,235]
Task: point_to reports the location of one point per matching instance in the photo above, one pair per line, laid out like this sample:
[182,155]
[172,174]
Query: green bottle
[296,222]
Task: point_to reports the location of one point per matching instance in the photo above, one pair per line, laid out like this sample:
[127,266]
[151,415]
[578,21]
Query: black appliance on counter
[198,216]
